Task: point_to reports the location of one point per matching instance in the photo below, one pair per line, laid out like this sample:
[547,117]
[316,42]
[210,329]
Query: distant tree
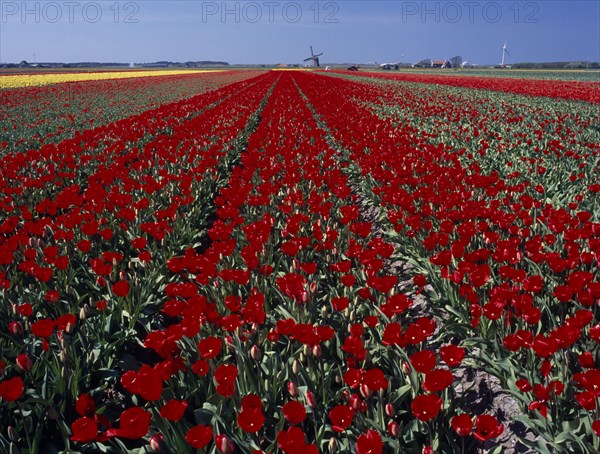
[425,63]
[456,61]
[23,63]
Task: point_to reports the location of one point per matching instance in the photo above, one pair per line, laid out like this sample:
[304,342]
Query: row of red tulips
[549,146]
[89,223]
[33,116]
[56,168]
[563,89]
[300,321]
[517,269]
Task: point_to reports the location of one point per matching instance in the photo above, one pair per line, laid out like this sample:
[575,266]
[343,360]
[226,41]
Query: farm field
[31,80]
[582,75]
[580,89]
[300,262]
[33,116]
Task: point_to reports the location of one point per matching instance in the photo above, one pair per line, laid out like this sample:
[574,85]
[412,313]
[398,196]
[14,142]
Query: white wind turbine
[504,51]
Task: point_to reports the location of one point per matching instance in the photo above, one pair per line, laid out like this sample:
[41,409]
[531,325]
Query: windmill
[504,51]
[313,57]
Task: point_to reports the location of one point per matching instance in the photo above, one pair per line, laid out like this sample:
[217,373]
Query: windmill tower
[313,57]
[504,51]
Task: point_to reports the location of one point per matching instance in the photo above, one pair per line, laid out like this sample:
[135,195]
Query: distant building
[441,64]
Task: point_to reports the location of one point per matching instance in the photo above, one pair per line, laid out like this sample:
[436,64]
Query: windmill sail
[314,57]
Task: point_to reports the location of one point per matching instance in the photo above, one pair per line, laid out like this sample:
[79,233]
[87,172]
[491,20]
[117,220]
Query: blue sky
[270,31]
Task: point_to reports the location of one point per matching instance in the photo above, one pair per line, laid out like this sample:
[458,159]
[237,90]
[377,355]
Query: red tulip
[420,280]
[375,379]
[210,347]
[199,436]
[173,410]
[121,288]
[43,328]
[225,376]
[596,425]
[85,405]
[340,303]
[353,377]
[587,400]
[292,441]
[426,406]
[452,355]
[487,427]
[437,380]
[586,360]
[462,424]
[201,367]
[134,424]
[251,418]
[84,429]
[524,385]
[11,389]
[369,443]
[423,361]
[294,412]
[341,417]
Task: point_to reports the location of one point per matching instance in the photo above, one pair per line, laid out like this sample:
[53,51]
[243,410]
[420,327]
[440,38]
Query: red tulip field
[300,262]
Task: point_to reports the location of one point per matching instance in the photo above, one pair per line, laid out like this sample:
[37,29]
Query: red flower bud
[24,362]
[389,410]
[16,329]
[394,429]
[355,402]
[155,442]
[224,444]
[292,389]
[310,399]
